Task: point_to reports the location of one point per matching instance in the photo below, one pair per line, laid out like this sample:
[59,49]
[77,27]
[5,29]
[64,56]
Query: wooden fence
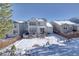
[5,43]
[69,35]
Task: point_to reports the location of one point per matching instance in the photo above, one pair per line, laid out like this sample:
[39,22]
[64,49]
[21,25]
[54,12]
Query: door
[42,30]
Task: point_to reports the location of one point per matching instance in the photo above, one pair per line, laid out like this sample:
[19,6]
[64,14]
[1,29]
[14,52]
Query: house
[39,26]
[64,26]
[32,26]
[19,27]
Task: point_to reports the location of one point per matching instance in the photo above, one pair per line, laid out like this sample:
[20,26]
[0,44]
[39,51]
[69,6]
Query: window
[74,29]
[32,23]
[41,23]
[14,26]
[65,27]
[14,32]
[42,30]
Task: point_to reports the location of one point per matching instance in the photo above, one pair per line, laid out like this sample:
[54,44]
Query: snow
[19,21]
[39,19]
[30,43]
[36,19]
[70,48]
[64,22]
[48,24]
[57,46]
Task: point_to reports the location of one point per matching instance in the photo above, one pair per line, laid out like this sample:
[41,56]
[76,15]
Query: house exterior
[64,26]
[31,26]
[19,27]
[39,26]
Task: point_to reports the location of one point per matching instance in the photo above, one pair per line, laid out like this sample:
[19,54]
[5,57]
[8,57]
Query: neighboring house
[39,26]
[19,27]
[64,26]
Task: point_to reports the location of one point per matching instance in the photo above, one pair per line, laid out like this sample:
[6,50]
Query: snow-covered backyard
[34,43]
[52,45]
[37,42]
[70,48]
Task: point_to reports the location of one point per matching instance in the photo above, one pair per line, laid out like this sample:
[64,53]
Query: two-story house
[39,26]
[32,26]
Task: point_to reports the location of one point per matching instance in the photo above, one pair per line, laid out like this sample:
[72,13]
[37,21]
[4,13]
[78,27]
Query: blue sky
[51,11]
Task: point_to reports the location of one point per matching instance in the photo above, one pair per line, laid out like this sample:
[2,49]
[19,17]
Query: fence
[69,35]
[5,43]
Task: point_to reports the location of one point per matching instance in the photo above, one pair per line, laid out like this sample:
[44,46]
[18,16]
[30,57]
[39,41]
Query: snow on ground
[32,43]
[28,43]
[54,44]
[70,48]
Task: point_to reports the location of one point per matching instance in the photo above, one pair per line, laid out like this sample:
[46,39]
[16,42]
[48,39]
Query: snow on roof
[19,21]
[36,19]
[48,24]
[40,20]
[64,22]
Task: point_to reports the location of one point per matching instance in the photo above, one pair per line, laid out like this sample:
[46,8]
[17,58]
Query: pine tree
[5,19]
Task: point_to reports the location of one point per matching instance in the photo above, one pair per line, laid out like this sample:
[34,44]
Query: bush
[13,47]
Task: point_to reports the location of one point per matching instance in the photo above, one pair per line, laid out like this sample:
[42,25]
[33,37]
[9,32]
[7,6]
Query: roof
[48,24]
[40,19]
[36,19]
[19,21]
[64,22]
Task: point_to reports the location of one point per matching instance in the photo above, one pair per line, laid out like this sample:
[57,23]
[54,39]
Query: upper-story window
[32,23]
[41,23]
[65,27]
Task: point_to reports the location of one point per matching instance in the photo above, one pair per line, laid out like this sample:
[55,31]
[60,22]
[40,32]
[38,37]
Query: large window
[41,23]
[32,23]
